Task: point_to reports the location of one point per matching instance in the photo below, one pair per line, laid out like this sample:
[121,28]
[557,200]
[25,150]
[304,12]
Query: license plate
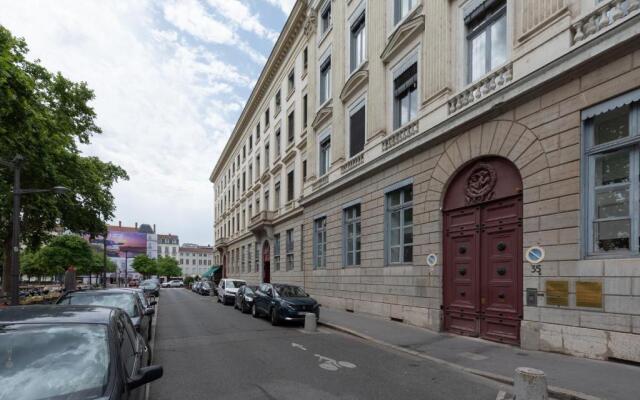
[302,312]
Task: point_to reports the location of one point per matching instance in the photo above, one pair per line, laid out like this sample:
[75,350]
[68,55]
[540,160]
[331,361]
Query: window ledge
[354,162]
[604,16]
[400,135]
[321,181]
[493,81]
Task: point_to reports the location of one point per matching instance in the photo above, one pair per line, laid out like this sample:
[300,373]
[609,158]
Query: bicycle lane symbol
[330,364]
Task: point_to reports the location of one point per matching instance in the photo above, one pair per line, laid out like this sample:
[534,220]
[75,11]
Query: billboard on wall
[123,247]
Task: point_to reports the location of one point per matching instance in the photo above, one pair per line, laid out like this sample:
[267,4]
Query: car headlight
[289,305]
[249,298]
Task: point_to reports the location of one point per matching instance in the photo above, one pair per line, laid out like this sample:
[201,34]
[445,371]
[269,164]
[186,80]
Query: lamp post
[104,259]
[17,192]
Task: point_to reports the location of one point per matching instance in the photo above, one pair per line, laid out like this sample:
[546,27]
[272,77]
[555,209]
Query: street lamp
[16,165]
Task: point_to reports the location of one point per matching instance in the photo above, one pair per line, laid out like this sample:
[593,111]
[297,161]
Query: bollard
[310,322]
[530,384]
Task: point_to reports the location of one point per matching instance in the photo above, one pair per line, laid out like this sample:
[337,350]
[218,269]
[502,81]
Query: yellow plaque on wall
[589,294]
[557,293]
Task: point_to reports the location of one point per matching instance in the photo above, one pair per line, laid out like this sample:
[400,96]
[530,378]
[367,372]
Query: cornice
[403,34]
[355,82]
[323,115]
[279,53]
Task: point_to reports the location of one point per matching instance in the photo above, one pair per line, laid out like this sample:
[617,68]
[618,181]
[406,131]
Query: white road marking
[299,346]
[332,365]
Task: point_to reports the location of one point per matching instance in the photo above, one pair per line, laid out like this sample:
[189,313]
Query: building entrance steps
[568,377]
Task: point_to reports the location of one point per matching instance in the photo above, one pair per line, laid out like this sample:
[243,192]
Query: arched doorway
[482,251]
[266,264]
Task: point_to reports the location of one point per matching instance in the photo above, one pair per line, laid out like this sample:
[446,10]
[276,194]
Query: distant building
[124,243]
[168,246]
[195,259]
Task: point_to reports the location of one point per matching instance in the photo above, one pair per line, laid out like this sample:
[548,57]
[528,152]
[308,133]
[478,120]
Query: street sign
[534,254]
[432,260]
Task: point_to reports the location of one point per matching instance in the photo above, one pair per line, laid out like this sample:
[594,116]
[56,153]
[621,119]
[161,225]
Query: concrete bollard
[530,384]
[310,322]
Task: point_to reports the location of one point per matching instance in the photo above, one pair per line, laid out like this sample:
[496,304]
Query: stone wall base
[581,342]
[417,316]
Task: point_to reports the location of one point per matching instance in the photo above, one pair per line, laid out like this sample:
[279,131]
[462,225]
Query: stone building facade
[442,142]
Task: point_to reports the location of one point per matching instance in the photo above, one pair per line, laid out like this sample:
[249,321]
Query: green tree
[45,118]
[168,267]
[144,265]
[31,266]
[65,251]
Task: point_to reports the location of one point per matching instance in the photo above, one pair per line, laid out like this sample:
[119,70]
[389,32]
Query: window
[278,102]
[399,222]
[320,242]
[304,170]
[325,18]
[351,234]
[243,219]
[401,8]
[305,60]
[290,127]
[325,156]
[244,181]
[266,200]
[290,185]
[291,79]
[257,257]
[277,195]
[250,211]
[249,257]
[612,164]
[258,131]
[277,144]
[257,167]
[266,118]
[289,249]
[276,251]
[257,204]
[304,111]
[486,39]
[266,156]
[356,129]
[244,152]
[325,80]
[357,42]
[405,95]
[250,174]
[250,143]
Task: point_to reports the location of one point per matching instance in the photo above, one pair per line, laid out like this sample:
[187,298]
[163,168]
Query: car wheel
[274,317]
[219,299]
[254,311]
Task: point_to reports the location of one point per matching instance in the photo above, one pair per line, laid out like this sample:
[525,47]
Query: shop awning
[211,271]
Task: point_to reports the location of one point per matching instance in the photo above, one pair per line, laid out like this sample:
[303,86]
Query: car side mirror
[153,303]
[149,311]
[144,376]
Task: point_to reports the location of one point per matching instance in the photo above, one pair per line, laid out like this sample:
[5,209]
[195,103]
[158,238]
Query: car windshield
[125,301]
[234,284]
[53,361]
[250,289]
[149,284]
[290,291]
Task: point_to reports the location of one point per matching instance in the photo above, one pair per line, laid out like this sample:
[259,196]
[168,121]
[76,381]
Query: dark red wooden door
[266,263]
[482,277]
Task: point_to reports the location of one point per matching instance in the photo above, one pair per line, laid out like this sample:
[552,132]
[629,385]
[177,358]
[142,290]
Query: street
[213,351]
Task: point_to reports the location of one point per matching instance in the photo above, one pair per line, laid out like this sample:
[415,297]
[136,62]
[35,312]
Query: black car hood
[300,301]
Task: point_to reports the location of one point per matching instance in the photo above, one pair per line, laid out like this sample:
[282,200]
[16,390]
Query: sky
[170,78]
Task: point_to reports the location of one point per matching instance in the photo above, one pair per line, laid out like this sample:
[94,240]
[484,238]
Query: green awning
[211,271]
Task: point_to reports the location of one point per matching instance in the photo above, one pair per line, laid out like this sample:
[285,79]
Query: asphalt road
[211,351]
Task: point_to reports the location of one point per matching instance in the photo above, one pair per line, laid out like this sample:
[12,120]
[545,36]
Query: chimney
[120,224]
[154,228]
[136,225]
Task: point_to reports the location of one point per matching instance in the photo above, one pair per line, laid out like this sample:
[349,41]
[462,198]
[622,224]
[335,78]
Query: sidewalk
[601,379]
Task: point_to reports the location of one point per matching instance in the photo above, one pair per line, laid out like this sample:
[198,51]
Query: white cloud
[242,17]
[166,106]
[190,16]
[285,5]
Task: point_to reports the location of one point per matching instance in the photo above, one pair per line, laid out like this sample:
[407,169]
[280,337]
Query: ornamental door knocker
[480,184]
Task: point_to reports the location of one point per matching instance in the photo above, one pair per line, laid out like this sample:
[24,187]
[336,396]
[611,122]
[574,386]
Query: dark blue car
[283,303]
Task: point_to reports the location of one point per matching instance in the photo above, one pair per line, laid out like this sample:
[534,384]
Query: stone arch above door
[507,139]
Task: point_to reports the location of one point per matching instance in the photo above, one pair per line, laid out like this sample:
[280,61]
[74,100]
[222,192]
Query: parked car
[144,299]
[72,352]
[165,284]
[121,298]
[244,298]
[176,283]
[150,287]
[205,288]
[283,303]
[195,286]
[227,289]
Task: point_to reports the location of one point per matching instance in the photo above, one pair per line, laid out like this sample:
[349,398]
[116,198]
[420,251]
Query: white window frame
[400,186]
[320,246]
[276,251]
[484,26]
[289,247]
[411,57]
[321,61]
[321,10]
[395,22]
[354,107]
[326,134]
[590,153]
[348,219]
[360,10]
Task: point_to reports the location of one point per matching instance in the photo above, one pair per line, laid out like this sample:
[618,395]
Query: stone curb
[555,392]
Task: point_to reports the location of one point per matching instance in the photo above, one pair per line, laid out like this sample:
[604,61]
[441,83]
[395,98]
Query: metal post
[126,269]
[15,238]
[104,260]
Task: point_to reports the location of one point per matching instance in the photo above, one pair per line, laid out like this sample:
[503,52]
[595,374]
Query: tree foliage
[168,267]
[144,265]
[45,118]
[67,251]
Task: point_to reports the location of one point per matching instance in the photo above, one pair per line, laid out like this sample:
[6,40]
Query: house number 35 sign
[535,256]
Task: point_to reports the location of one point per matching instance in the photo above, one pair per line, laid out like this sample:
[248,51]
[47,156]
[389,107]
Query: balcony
[400,135]
[607,14]
[482,88]
[352,163]
[222,243]
[262,222]
[323,180]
